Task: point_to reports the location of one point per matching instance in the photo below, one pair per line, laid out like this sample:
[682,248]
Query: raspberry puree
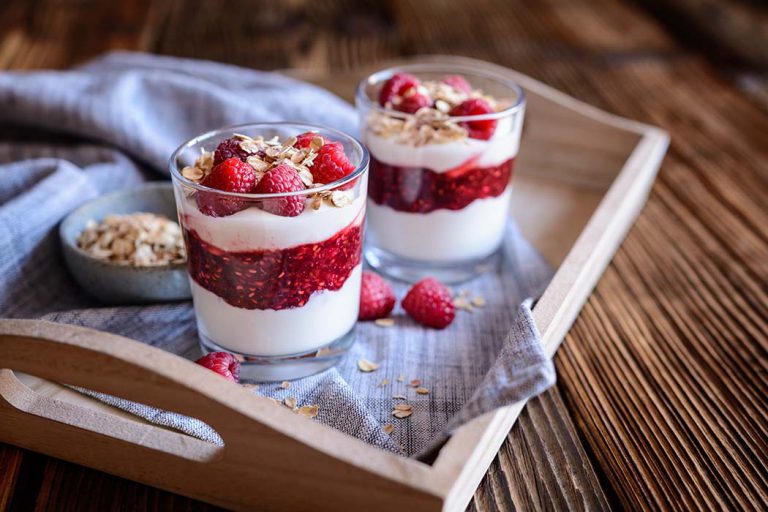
[275,278]
[421,190]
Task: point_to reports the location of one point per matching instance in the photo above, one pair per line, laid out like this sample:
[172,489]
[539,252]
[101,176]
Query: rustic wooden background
[662,397]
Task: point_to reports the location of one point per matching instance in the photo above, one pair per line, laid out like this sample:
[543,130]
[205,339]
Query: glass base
[410,271]
[288,367]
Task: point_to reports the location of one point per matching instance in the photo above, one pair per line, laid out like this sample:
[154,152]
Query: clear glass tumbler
[282,292]
[440,180]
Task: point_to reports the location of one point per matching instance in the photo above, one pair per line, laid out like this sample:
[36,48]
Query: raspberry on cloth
[430,303]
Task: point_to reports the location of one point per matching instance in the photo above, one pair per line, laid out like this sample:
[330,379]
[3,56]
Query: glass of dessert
[443,141]
[273,216]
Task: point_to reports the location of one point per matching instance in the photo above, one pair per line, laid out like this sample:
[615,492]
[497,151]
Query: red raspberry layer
[277,278]
[421,190]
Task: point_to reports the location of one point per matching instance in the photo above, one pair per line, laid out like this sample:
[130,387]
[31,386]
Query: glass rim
[363,99]
[359,169]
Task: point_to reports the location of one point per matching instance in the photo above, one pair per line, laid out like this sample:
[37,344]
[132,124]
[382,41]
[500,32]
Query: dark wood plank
[74,488]
[10,465]
[321,36]
[542,465]
[29,472]
[39,34]
[733,32]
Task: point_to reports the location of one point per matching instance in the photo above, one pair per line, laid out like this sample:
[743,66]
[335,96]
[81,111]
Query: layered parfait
[273,225]
[443,145]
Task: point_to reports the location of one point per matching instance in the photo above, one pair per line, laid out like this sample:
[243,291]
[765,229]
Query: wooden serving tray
[581,179]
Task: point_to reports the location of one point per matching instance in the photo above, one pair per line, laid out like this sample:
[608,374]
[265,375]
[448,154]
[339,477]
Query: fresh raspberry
[331,163]
[458,82]
[303,140]
[410,104]
[429,302]
[473,107]
[376,297]
[231,175]
[229,148]
[397,85]
[222,363]
[279,180]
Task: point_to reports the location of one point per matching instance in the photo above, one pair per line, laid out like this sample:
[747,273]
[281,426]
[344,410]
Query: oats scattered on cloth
[463,304]
[367,366]
[402,411]
[310,411]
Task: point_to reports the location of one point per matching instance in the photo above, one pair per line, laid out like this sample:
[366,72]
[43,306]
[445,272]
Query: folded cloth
[123,114]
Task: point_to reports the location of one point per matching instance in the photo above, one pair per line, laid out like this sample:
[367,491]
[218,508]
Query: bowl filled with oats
[127,248]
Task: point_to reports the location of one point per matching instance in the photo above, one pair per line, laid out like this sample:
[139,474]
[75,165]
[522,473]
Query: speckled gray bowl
[118,284]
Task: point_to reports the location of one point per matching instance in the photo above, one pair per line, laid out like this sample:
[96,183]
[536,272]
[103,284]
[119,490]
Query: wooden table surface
[663,382]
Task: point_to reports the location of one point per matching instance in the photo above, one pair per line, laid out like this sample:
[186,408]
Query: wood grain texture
[10,466]
[664,373]
[542,443]
[70,487]
[734,31]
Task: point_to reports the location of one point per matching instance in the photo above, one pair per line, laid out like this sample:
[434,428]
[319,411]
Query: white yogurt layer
[327,316]
[502,146]
[441,235]
[255,229]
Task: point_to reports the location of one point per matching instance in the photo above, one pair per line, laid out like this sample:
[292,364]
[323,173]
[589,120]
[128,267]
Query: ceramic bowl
[124,284]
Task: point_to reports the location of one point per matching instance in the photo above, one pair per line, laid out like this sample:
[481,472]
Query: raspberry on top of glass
[433,103]
[273,225]
[246,165]
[443,142]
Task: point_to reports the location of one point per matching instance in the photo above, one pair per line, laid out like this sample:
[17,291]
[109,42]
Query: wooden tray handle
[121,367]
[269,452]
